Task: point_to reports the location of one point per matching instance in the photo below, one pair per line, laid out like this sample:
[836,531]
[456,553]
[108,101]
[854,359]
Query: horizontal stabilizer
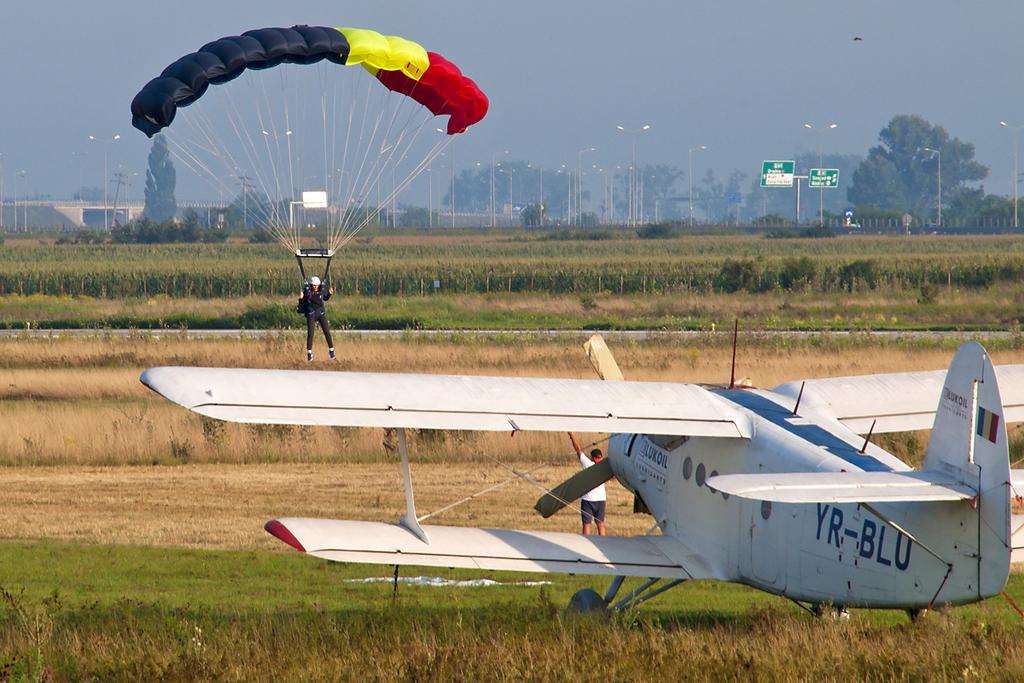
[358,399]
[494,549]
[842,487]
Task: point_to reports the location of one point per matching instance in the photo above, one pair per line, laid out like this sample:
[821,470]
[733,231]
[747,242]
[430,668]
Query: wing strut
[408,520]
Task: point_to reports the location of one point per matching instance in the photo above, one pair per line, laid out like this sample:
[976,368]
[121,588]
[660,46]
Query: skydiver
[311,302]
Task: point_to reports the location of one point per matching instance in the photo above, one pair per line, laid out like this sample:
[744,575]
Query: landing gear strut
[589,601]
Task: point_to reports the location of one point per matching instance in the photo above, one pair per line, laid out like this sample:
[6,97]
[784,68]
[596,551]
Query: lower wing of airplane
[463,402]
[494,549]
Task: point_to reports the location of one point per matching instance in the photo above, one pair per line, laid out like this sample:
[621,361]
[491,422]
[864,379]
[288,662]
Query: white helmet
[315,281]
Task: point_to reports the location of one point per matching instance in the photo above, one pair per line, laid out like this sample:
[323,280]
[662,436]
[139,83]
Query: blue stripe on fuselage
[812,433]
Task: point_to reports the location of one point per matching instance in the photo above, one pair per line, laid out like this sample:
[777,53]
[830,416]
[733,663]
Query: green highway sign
[823,178]
[777,173]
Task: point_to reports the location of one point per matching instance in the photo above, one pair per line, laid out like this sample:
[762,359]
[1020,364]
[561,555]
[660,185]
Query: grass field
[133,549]
[53,392]
[72,612]
[529,281]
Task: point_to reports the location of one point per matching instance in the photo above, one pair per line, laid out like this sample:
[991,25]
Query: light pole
[689,178]
[540,200]
[19,174]
[633,172]
[579,183]
[510,172]
[106,147]
[938,154]
[451,189]
[821,190]
[1016,168]
[1,192]
[246,185]
[81,177]
[603,172]
[494,156]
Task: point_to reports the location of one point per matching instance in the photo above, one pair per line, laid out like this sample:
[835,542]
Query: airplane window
[687,468]
[766,509]
[700,474]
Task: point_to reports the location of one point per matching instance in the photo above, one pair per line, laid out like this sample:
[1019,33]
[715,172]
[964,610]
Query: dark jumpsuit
[313,306]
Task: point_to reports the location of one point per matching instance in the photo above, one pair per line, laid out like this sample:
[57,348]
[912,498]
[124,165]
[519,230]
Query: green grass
[387,282]
[73,612]
[517,262]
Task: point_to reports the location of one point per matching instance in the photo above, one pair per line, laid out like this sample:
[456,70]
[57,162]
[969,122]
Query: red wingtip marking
[275,528]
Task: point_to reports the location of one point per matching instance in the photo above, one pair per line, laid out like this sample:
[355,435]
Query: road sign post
[798,178]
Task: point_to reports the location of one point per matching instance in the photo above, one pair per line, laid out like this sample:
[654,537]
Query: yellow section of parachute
[389,53]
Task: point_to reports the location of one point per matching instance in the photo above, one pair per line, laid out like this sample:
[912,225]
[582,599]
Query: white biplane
[776,489]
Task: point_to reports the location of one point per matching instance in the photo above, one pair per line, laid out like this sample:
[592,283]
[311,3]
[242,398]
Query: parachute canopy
[399,64]
[280,133]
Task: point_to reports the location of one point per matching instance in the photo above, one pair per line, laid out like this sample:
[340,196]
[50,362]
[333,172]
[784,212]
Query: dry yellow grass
[225,506]
[704,358]
[78,401]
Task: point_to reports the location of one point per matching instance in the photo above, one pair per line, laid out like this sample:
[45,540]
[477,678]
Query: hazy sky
[740,77]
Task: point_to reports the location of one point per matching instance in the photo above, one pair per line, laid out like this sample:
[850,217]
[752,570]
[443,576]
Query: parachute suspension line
[399,187]
[378,168]
[394,150]
[350,182]
[272,156]
[242,132]
[380,134]
[356,192]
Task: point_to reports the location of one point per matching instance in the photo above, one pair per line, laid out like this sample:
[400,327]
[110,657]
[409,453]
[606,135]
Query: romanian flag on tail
[988,424]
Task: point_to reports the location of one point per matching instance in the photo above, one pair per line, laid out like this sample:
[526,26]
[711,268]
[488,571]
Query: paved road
[581,334]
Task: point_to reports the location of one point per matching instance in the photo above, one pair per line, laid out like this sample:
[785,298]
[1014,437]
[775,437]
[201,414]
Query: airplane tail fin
[968,444]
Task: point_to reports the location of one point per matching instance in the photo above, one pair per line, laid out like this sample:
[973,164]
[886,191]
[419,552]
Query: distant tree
[797,273]
[160,182]
[414,217]
[531,215]
[900,174]
[658,189]
[736,275]
[972,207]
[717,199]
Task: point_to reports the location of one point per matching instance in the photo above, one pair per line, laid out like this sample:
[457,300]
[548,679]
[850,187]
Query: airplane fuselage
[844,554]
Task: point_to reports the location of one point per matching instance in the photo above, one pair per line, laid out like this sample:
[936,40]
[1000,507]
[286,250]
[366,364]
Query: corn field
[617,266]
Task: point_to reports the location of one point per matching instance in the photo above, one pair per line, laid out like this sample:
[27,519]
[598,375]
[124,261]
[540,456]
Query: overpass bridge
[22,215]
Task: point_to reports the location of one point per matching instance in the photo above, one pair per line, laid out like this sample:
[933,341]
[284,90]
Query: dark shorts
[592,510]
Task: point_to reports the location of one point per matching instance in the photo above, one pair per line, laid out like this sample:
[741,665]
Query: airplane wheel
[587,601]
[831,612]
[915,614]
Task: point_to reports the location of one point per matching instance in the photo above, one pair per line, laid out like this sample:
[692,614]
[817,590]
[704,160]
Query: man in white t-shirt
[592,503]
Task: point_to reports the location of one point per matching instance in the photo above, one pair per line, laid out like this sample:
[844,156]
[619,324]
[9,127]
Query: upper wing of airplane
[355,399]
[497,549]
[899,402]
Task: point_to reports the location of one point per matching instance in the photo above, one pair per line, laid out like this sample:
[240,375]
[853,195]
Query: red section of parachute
[443,90]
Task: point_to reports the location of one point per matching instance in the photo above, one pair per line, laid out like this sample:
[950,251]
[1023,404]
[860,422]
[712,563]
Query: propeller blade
[601,359]
[574,487]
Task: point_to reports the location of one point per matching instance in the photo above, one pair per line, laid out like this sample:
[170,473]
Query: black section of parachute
[185,80]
